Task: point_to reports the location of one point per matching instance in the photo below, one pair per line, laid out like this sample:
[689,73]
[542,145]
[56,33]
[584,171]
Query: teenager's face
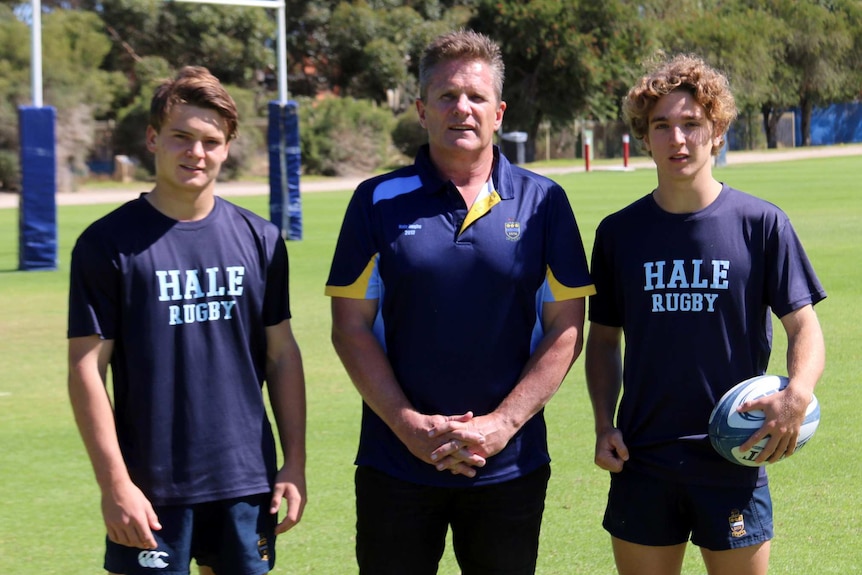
[189,149]
[460,109]
[680,136]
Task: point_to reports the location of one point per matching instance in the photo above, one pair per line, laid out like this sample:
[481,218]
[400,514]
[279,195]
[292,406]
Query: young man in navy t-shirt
[690,275]
[185,296]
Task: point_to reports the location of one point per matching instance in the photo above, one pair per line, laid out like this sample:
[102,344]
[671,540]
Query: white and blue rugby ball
[729,429]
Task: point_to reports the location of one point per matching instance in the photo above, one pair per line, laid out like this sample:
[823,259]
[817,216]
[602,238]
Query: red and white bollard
[587,155]
[625,150]
[587,136]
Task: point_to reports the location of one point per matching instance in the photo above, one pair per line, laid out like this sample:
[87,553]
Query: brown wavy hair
[195,86]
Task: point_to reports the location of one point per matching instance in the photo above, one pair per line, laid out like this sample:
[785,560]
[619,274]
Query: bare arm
[128,514]
[541,378]
[369,369]
[785,411]
[604,381]
[285,381]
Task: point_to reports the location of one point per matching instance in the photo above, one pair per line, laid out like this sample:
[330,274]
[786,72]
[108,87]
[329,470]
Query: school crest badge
[737,524]
[513,231]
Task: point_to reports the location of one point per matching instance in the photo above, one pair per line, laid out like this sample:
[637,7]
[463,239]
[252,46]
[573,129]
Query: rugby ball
[729,429]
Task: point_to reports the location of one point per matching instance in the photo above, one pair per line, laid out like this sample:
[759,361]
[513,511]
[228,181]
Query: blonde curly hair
[688,72]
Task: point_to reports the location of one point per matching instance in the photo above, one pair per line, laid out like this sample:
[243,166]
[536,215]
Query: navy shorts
[654,511]
[229,536]
[401,526]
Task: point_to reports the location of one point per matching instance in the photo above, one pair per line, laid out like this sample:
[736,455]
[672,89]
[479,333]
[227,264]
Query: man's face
[460,111]
[189,149]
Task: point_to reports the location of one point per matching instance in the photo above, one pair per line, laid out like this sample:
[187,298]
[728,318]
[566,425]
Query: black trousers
[401,527]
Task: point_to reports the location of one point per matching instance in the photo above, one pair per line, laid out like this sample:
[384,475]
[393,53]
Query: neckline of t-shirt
[700,214]
[190,225]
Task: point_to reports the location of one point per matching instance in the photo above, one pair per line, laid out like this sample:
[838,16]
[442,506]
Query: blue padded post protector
[37,219]
[285,160]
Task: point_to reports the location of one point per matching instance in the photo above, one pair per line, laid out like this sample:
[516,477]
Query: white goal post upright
[282,135]
[37,203]
[36,52]
[37,221]
[281,47]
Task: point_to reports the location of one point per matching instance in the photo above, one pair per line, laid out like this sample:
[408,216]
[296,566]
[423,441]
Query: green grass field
[50,519]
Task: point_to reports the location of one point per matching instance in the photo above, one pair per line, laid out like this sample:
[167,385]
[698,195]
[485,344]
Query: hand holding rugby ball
[729,429]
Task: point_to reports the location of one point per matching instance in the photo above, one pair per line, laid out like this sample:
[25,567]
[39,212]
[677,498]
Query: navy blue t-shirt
[186,305]
[693,294]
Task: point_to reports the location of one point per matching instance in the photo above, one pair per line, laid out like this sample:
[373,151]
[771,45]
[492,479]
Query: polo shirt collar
[501,173]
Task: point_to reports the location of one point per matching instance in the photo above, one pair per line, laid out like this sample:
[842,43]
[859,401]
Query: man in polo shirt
[458,288]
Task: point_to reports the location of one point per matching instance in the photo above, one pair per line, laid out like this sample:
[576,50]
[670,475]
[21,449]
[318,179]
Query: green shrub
[409,134]
[344,136]
[130,134]
[130,131]
[249,142]
[10,171]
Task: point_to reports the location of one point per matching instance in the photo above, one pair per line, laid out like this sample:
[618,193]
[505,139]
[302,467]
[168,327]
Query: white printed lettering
[169,289]
[228,308]
[696,280]
[719,274]
[234,279]
[677,276]
[212,280]
[685,275]
[193,285]
[683,301]
[652,276]
[200,312]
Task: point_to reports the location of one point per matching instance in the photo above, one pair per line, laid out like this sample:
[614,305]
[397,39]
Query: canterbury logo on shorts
[152,559]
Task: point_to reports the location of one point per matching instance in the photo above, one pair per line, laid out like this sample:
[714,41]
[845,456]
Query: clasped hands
[458,443]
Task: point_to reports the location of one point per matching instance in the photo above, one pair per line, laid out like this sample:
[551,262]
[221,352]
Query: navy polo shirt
[460,296]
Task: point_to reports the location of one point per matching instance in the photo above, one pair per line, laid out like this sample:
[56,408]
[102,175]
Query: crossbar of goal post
[285,204]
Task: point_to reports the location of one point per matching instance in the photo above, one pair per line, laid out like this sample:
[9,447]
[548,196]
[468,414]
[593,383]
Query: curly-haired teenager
[689,276]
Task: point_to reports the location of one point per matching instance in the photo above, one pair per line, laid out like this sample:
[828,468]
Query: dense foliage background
[568,61]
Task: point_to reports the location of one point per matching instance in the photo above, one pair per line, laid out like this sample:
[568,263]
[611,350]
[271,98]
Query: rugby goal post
[285,202]
[37,214]
[37,221]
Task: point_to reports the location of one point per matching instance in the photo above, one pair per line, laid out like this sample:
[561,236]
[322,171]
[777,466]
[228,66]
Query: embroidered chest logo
[737,524]
[513,230]
[409,229]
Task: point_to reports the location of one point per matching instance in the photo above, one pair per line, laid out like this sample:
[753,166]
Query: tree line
[565,59]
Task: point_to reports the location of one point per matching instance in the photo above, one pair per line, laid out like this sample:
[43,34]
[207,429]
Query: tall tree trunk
[771,115]
[806,106]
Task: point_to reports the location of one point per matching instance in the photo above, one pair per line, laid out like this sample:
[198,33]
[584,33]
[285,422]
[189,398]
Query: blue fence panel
[836,124]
